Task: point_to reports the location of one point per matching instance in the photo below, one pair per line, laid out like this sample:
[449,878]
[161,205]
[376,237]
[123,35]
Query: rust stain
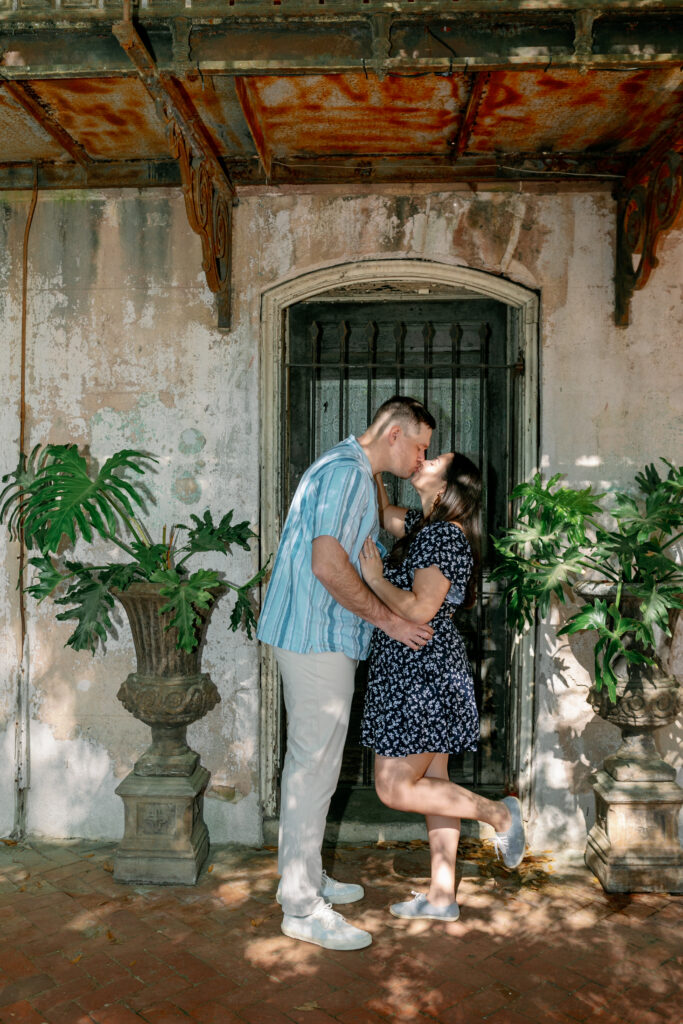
[113,118]
[569,112]
[338,114]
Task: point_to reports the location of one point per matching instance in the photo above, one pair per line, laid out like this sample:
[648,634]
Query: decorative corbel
[647,204]
[207,188]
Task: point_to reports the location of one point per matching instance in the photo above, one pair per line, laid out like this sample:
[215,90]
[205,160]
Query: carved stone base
[165,840]
[633,846]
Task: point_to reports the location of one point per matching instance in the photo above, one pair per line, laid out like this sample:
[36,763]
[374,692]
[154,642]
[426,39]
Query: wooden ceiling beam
[413,39]
[99,174]
[27,97]
[254,125]
[207,187]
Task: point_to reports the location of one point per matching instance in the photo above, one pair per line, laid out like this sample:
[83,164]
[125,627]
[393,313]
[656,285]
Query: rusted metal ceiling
[344,90]
[214,94]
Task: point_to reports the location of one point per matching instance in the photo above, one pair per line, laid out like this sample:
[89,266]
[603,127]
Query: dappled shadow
[532,944]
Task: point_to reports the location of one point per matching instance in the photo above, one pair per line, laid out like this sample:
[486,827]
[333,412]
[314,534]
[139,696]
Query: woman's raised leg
[403,783]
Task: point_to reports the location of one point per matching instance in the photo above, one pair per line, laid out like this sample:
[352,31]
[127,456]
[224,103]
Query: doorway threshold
[358,816]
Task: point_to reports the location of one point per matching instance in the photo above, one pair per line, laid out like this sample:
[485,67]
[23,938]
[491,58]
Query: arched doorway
[453,314]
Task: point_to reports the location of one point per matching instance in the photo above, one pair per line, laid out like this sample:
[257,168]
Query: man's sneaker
[419,908]
[510,845]
[333,891]
[325,927]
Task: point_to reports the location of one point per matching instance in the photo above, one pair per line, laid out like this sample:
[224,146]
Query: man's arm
[331,566]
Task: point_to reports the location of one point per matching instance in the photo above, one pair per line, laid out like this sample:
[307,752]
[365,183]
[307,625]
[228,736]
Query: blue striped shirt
[336,497]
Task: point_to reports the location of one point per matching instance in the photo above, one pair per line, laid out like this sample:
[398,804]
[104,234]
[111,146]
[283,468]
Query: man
[318,615]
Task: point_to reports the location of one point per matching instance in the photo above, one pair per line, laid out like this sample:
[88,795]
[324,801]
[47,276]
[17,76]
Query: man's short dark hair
[406,410]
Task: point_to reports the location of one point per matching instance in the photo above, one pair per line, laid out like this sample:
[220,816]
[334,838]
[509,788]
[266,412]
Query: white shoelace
[328,915]
[500,844]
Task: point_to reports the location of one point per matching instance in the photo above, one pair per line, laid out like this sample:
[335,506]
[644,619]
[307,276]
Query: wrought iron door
[343,359]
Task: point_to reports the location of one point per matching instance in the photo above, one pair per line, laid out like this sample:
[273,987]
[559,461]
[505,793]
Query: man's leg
[318,690]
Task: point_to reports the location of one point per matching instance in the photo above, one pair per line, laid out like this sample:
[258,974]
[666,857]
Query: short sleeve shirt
[336,497]
[444,545]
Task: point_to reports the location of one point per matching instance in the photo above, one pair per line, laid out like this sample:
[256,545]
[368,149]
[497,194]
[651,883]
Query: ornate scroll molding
[209,211]
[207,187]
[647,205]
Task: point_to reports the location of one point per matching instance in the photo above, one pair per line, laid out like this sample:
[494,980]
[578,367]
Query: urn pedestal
[165,839]
[634,845]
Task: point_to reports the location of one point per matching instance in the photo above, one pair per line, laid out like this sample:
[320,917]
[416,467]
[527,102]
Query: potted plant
[56,500]
[614,556]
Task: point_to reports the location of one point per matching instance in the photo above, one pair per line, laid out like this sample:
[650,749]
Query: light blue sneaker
[420,909]
[333,891]
[510,845]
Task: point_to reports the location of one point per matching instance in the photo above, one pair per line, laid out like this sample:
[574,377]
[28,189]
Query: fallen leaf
[111,936]
[10,842]
[210,868]
[77,958]
[107,866]
[308,1006]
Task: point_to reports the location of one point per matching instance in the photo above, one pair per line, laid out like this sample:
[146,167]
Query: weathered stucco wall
[123,351]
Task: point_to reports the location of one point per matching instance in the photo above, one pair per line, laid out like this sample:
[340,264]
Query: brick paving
[535,945]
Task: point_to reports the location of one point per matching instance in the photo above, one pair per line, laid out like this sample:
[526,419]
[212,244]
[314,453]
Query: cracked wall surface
[123,351]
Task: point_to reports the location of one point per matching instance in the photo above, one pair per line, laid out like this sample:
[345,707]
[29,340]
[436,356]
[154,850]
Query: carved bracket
[645,209]
[209,211]
[207,188]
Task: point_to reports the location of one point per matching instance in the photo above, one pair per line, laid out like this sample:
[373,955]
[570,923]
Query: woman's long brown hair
[460,503]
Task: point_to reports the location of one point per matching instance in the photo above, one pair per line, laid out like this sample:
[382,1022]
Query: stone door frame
[414,277]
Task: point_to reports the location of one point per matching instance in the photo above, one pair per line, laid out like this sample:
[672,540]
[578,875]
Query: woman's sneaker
[510,845]
[419,909]
[325,927]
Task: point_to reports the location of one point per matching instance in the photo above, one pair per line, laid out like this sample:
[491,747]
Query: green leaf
[64,499]
[655,601]
[205,536]
[151,557]
[243,613]
[591,616]
[47,578]
[91,603]
[186,595]
[121,576]
[14,495]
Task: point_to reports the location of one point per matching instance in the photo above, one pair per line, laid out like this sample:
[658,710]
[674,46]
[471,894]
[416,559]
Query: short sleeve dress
[423,701]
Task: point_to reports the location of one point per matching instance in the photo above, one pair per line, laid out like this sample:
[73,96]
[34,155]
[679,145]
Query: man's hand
[411,634]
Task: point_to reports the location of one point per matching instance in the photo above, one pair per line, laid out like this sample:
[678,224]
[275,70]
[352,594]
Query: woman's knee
[394,786]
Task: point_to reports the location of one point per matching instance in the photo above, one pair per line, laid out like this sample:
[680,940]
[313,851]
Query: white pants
[318,690]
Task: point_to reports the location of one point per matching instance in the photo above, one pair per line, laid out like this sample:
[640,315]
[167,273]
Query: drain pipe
[22,733]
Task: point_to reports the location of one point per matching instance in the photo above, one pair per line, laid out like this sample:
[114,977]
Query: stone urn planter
[633,845]
[165,839]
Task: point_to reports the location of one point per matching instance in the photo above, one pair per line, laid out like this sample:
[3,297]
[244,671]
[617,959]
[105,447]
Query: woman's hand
[371,563]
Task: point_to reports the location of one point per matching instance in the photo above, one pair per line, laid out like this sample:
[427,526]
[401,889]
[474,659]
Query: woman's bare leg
[444,835]
[403,783]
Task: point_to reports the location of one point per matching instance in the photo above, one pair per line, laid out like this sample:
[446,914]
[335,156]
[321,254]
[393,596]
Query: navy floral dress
[423,701]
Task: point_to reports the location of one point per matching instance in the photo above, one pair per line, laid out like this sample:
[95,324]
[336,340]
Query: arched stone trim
[414,276]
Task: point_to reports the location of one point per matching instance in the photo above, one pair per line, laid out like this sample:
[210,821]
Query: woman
[420,705]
